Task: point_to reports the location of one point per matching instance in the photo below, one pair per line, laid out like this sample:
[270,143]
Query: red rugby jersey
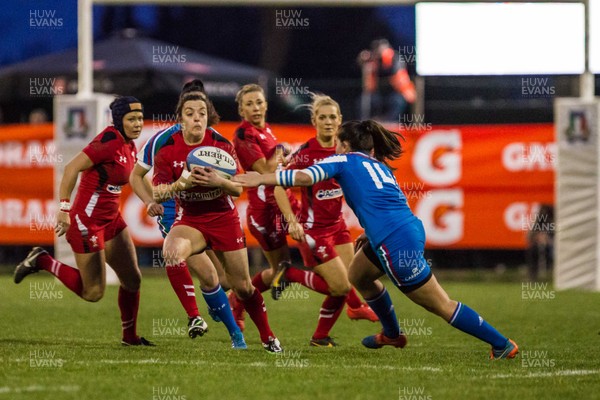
[100,185]
[169,163]
[251,144]
[322,202]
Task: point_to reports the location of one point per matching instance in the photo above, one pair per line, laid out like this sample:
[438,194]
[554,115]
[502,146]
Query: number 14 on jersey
[378,175]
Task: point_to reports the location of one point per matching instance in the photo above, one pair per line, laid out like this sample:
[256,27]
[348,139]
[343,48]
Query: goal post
[577,190]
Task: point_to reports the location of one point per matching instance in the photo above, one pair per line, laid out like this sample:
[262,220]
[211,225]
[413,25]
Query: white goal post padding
[577,208]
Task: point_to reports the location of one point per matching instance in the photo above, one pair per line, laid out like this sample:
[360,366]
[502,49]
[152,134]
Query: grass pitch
[55,346]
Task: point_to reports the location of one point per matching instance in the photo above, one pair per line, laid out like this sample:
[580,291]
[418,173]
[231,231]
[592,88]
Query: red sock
[183,285]
[308,279]
[353,300]
[129,303]
[330,311]
[258,283]
[68,275]
[256,309]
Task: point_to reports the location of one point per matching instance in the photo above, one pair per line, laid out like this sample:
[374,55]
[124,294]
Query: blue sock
[383,307]
[217,301]
[470,322]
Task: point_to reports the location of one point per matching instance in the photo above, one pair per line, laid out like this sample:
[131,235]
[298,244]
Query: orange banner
[473,186]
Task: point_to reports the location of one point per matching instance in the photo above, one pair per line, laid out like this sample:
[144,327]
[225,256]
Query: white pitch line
[38,388]
[158,361]
[565,372]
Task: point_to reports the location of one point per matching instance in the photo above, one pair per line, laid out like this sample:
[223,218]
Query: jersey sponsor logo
[200,196]
[122,159]
[116,189]
[326,194]
[178,163]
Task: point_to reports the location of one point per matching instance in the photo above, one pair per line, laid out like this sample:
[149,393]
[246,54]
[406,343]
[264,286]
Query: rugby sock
[259,284]
[329,313]
[219,304]
[307,278]
[183,285]
[129,303]
[383,307]
[353,300]
[468,321]
[69,276]
[256,309]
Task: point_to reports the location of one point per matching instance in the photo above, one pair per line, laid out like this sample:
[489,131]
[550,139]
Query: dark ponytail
[367,136]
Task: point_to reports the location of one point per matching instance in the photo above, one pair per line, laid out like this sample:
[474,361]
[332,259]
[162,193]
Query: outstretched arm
[285,178]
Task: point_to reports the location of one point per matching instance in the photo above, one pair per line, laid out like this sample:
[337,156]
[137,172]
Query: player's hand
[282,150]
[250,179]
[360,242]
[63,222]
[206,176]
[154,209]
[296,231]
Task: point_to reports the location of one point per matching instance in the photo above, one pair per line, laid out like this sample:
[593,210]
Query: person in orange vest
[387,88]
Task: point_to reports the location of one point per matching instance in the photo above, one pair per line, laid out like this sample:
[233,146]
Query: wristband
[185,175]
[65,206]
[286,177]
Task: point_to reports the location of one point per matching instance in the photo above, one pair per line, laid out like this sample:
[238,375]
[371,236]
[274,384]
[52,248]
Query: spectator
[38,116]
[540,238]
[387,88]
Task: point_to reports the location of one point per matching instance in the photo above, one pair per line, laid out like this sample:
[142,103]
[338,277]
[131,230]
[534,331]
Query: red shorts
[268,226]
[87,235]
[319,246]
[222,232]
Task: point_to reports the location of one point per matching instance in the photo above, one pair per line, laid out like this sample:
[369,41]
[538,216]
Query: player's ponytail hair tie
[121,106]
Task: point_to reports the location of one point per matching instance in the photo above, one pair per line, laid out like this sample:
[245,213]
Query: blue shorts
[402,256]
[166,220]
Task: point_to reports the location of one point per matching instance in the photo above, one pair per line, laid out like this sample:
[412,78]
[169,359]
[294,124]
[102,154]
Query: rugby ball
[209,156]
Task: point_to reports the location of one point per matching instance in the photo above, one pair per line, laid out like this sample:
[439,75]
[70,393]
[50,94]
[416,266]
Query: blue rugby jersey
[370,189]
